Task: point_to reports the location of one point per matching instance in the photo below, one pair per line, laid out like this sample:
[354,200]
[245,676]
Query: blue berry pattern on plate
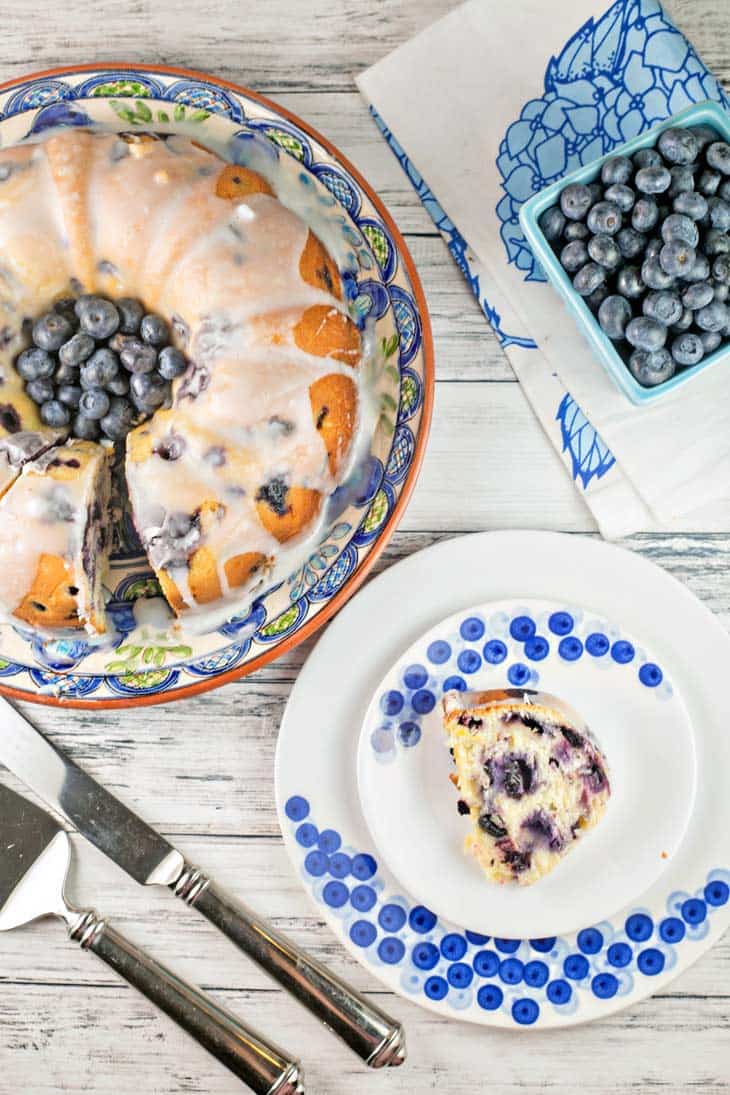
[455,970]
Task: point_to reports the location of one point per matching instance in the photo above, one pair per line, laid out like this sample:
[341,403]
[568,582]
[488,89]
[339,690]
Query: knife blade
[151,860]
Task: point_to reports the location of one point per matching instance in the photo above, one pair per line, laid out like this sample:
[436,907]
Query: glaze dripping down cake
[257,432]
[530,776]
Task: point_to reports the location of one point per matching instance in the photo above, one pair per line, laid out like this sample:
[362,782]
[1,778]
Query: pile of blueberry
[648,247]
[99,367]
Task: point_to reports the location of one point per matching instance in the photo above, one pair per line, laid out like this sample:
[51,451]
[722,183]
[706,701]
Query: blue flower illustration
[615,78]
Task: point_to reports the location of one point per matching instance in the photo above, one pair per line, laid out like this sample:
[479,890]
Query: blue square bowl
[708,113]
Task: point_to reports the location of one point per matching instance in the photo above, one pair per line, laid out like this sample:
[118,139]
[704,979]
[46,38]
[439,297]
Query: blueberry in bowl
[638,245]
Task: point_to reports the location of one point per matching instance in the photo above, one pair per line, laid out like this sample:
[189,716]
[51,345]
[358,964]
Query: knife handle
[373,1035]
[266,1069]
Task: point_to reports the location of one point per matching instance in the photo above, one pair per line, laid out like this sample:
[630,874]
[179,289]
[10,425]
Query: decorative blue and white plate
[369,815]
[148,662]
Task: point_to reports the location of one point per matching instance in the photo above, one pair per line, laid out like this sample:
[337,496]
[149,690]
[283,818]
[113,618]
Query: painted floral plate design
[148,662]
[639,637]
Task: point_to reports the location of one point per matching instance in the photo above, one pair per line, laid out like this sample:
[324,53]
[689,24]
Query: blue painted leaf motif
[590,456]
[616,77]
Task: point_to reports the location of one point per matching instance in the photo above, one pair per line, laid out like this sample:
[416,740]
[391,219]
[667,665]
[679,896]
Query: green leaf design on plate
[199,115]
[156,654]
[390,345]
[393,372]
[385,422]
[143,111]
[163,116]
[377,512]
[179,113]
[129,88]
[287,142]
[281,623]
[124,112]
[377,241]
[143,680]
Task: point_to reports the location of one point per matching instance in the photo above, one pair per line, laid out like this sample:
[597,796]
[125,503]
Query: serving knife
[35,855]
[152,860]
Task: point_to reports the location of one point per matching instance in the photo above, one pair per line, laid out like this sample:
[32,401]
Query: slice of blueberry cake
[529,774]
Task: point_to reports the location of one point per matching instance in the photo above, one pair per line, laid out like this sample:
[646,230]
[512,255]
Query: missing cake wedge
[529,774]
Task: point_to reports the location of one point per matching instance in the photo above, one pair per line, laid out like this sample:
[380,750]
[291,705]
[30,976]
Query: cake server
[35,855]
[152,860]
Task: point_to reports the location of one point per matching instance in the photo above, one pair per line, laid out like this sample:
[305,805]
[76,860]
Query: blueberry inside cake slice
[54,538]
[529,774]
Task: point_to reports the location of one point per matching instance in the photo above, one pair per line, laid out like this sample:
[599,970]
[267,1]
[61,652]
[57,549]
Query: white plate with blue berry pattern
[624,635]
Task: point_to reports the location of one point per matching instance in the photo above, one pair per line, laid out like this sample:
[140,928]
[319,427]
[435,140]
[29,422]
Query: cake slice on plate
[529,774]
[54,538]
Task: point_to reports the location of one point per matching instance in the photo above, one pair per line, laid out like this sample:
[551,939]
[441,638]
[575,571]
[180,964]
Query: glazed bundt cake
[236,467]
[530,776]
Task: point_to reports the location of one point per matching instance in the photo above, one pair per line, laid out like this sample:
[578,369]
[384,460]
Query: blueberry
[684,322]
[51,331]
[86,428]
[629,282]
[683,180]
[723,190]
[118,341]
[664,307]
[623,196]
[102,366]
[679,146]
[493,824]
[676,257]
[618,169]
[715,243]
[572,257]
[55,414]
[98,317]
[604,217]
[154,330]
[575,230]
[721,290]
[630,243]
[130,315]
[697,295]
[651,369]
[653,180]
[653,247]
[94,403]
[708,183]
[718,157]
[138,357]
[647,157]
[654,275]
[149,390]
[66,308]
[119,420]
[172,363]
[721,269]
[588,278]
[687,349]
[613,315]
[713,317]
[710,340]
[646,334]
[718,212]
[78,348]
[691,204]
[596,192]
[604,250]
[704,135]
[34,364]
[700,270]
[119,384]
[576,199]
[66,374]
[644,215]
[40,390]
[595,299]
[679,227]
[70,394]
[552,222]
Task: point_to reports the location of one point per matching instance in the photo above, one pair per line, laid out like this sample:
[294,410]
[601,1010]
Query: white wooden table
[202,771]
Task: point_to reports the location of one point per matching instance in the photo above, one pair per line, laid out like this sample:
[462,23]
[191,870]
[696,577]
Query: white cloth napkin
[483,109]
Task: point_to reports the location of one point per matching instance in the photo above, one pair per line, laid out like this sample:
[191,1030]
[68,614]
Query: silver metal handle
[264,1067]
[371,1033]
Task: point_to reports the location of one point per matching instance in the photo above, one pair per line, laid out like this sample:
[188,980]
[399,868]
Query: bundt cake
[235,468]
[530,776]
